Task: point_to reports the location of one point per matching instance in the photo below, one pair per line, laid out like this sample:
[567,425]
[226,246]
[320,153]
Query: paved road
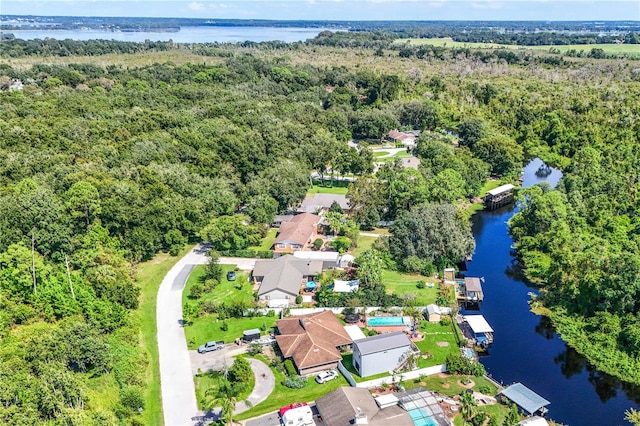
[178,391]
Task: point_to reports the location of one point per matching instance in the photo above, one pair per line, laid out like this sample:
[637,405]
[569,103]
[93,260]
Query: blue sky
[569,10]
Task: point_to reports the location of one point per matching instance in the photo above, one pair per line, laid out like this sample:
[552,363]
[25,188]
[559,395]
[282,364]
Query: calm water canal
[526,348]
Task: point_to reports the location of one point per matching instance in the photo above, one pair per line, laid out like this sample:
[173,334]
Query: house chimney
[360,418]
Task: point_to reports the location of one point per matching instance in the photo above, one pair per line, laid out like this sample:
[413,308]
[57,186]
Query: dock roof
[500,189]
[525,398]
[472,284]
[478,324]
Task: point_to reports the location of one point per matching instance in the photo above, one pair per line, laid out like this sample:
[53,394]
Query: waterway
[526,348]
[196,34]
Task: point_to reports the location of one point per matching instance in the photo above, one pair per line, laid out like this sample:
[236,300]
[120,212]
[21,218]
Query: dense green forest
[103,165]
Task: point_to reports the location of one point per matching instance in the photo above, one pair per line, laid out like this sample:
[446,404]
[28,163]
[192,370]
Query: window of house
[281,246]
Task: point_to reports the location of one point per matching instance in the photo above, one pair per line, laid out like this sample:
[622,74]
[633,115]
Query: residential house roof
[323,201]
[298,230]
[343,405]
[382,342]
[472,284]
[525,398]
[284,273]
[312,339]
[433,309]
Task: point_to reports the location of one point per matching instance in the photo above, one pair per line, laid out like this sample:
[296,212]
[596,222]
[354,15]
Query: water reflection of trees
[545,328]
[606,386]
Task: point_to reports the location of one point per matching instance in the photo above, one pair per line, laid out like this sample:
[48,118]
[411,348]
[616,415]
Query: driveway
[265,383]
[216,360]
[244,263]
[178,391]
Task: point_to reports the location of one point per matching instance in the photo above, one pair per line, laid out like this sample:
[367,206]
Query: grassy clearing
[435,333]
[632,49]
[267,241]
[149,275]
[488,186]
[329,187]
[399,154]
[381,153]
[283,395]
[401,284]
[364,243]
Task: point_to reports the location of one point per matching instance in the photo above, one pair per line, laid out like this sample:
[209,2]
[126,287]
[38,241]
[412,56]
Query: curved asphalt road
[178,390]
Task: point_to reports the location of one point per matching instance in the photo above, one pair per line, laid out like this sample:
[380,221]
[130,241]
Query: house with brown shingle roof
[297,233]
[312,341]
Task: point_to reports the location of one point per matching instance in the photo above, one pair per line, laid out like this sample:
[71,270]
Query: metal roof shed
[478,324]
[525,398]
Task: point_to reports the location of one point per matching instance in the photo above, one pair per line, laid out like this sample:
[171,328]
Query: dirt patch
[443,344]
[445,385]
[468,385]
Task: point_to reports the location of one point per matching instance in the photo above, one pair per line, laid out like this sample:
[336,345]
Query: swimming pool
[421,418]
[388,321]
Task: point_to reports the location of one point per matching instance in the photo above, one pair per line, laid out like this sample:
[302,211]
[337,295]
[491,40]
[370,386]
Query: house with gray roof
[280,279]
[319,202]
[382,353]
[356,406]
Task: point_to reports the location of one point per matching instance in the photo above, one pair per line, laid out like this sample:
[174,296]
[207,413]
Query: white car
[325,376]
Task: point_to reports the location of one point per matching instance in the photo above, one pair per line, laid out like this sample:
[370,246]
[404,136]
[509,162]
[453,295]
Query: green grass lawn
[401,283]
[149,275]
[337,187]
[434,333]
[450,385]
[267,242]
[283,395]
[364,243]
[227,291]
[488,186]
[207,328]
[399,154]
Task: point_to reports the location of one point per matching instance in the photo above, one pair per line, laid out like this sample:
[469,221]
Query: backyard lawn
[267,242]
[328,187]
[283,395]
[451,385]
[439,341]
[401,283]
[364,243]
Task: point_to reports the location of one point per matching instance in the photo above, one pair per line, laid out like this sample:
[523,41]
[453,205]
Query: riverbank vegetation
[103,165]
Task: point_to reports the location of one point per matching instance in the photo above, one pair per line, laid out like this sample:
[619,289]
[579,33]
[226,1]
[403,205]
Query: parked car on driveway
[231,276]
[211,346]
[325,376]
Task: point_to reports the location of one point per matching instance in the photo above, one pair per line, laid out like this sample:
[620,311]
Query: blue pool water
[378,321]
[420,418]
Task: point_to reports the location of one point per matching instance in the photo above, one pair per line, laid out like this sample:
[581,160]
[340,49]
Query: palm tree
[467,406]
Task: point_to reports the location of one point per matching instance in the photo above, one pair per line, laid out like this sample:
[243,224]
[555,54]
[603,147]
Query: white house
[382,353]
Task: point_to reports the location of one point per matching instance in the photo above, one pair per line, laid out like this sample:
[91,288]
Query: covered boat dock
[499,197]
[527,400]
[480,330]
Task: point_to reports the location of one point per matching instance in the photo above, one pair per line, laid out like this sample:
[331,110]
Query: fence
[414,374]
[346,374]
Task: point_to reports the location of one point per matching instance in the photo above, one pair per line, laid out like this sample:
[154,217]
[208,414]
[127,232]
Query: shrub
[298,299]
[294,382]
[224,326]
[132,398]
[255,348]
[371,332]
[421,285]
[196,291]
[445,321]
[317,243]
[271,313]
[485,389]
[290,368]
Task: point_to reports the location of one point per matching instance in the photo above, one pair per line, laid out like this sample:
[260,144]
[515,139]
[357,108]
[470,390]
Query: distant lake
[202,34]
